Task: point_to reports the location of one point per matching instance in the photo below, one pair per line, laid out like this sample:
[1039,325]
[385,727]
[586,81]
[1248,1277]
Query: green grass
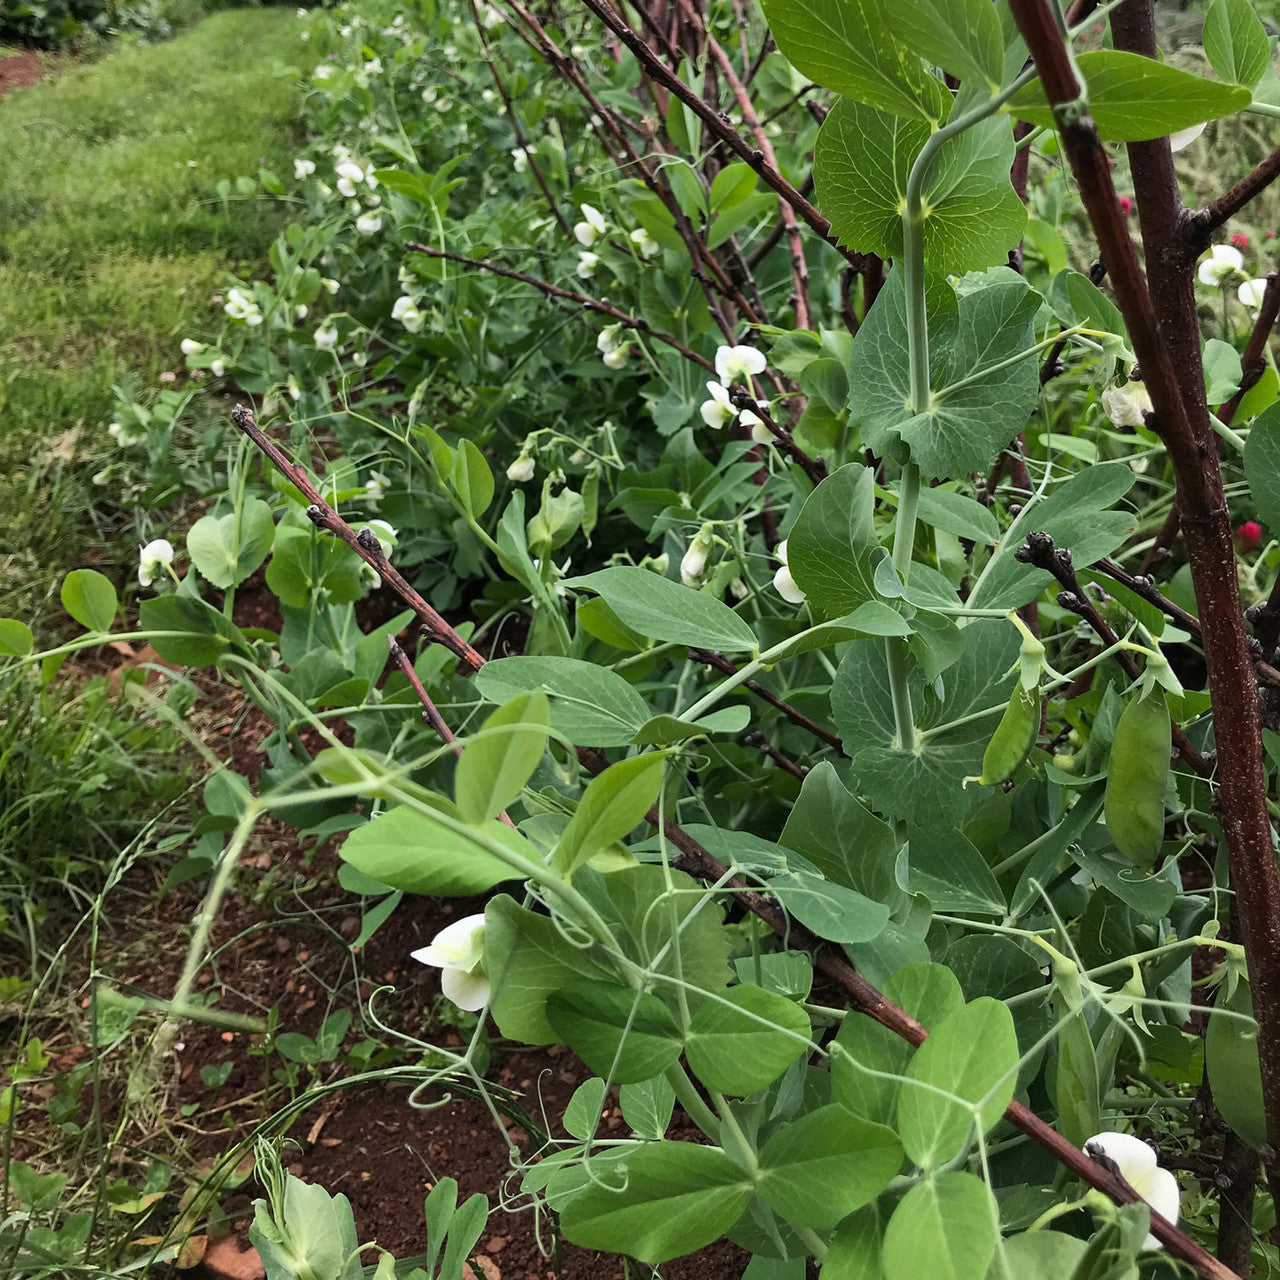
[112,241]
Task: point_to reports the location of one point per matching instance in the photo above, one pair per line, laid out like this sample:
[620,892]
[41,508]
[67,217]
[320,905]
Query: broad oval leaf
[944,1228]
[850,46]
[972,1056]
[829,548]
[668,611]
[1235,42]
[90,599]
[610,806]
[822,1167]
[745,1039]
[675,1198]
[623,1035]
[500,759]
[227,549]
[16,638]
[414,851]
[1132,98]
[592,706]
[972,215]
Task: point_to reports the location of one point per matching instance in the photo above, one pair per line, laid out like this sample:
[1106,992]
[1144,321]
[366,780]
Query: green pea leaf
[1132,98]
[205,634]
[952,874]
[527,958]
[90,599]
[1137,778]
[621,1034]
[829,910]
[822,1167]
[418,852]
[925,785]
[675,1197]
[227,549]
[830,546]
[647,1106]
[1262,465]
[592,706]
[960,36]
[471,479]
[1078,516]
[668,611]
[496,764]
[841,836]
[943,1228]
[1235,42]
[972,215]
[853,1251]
[848,46]
[930,993]
[16,639]
[982,385]
[746,1039]
[971,1056]
[610,806]
[582,1111]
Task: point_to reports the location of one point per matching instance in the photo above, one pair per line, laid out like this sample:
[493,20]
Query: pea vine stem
[919,391]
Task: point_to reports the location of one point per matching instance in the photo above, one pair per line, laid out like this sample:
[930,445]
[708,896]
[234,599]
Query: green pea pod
[1231,1062]
[1137,778]
[1014,737]
[1076,1085]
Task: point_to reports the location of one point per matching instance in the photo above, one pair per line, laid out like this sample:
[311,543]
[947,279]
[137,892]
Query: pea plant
[880,772]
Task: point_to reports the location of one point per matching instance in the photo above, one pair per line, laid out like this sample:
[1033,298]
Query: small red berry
[1239,239]
[1268,235]
[1249,534]
[1126,206]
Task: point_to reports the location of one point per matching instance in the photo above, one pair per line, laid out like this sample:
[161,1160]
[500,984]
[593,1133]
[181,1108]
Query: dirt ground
[21,70]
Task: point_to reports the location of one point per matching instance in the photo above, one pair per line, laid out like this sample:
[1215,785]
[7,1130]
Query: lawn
[112,242]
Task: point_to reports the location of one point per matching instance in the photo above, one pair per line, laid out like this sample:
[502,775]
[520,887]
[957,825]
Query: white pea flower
[591,228]
[578,51]
[1127,406]
[783,583]
[346,187]
[240,306]
[492,18]
[1250,293]
[376,486]
[1223,262]
[737,364]
[717,412]
[759,432]
[330,286]
[693,566]
[325,191]
[303,169]
[610,339]
[1183,138]
[579,458]
[406,312]
[1137,1164]
[154,560]
[300,311]
[522,469]
[458,952]
[217,367]
[293,389]
[643,241]
[117,432]
[616,358]
[326,337]
[587,264]
[659,564]
[322,72]
[351,171]
[373,67]
[520,159]
[190,347]
[368,224]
